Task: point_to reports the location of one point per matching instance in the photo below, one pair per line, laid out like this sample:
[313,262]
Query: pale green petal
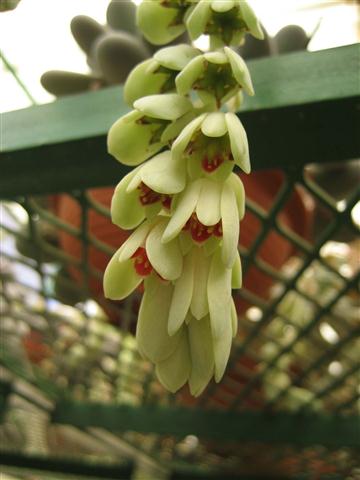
[202,355]
[236,276]
[168,106]
[185,207]
[136,239]
[126,209]
[154,21]
[199,302]
[135,180]
[240,70]
[251,20]
[129,141]
[164,174]
[217,57]
[219,295]
[151,332]
[172,130]
[211,245]
[234,319]
[184,138]
[238,188]
[186,243]
[222,5]
[230,226]
[222,348]
[140,83]
[120,278]
[197,20]
[183,291]
[176,57]
[166,258]
[174,372]
[214,125]
[238,142]
[208,205]
[188,75]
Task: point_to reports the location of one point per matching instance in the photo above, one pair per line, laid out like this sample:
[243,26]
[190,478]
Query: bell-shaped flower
[226,21]
[161,21]
[221,74]
[142,255]
[143,132]
[211,144]
[209,211]
[192,353]
[146,190]
[157,74]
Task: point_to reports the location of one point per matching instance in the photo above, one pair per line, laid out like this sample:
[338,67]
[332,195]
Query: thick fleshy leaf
[251,20]
[174,372]
[230,226]
[219,295]
[140,83]
[164,174]
[166,258]
[202,355]
[188,75]
[197,20]
[222,5]
[168,106]
[240,70]
[222,348]
[199,302]
[208,205]
[238,142]
[176,57]
[236,276]
[183,292]
[184,138]
[136,239]
[187,201]
[239,191]
[120,278]
[156,22]
[234,319]
[214,125]
[126,209]
[151,333]
[129,141]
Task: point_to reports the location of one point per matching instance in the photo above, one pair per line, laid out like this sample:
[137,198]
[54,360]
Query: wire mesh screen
[297,345]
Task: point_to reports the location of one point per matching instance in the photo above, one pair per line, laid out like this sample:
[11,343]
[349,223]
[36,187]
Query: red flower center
[148,196]
[211,163]
[142,264]
[199,232]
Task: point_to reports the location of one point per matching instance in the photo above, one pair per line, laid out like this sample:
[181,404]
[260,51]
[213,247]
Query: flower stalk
[183,198]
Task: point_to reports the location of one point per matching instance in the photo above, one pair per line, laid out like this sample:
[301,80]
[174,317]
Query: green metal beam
[307,429]
[90,469]
[305,110]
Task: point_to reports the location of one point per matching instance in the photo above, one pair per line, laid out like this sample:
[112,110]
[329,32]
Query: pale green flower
[221,74]
[140,256]
[191,353]
[148,189]
[226,21]
[161,21]
[143,132]
[209,210]
[157,74]
[211,144]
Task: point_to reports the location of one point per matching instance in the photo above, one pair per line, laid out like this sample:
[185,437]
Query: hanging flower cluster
[183,200]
